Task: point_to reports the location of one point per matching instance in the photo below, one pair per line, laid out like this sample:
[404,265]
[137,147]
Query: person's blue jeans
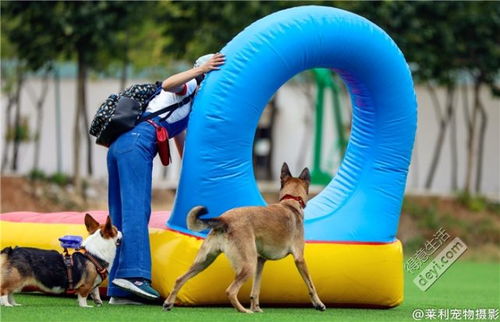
[130,166]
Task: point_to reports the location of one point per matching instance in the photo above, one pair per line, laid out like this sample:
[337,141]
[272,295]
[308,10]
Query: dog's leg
[302,267]
[82,301]
[96,296]
[11,300]
[83,292]
[254,295]
[233,289]
[242,254]
[4,301]
[206,255]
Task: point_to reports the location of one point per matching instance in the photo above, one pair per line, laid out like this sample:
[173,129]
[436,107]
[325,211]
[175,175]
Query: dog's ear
[108,231]
[305,175]
[108,226]
[285,173]
[91,224]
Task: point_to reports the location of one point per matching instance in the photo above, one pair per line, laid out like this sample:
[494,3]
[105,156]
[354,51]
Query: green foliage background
[440,39]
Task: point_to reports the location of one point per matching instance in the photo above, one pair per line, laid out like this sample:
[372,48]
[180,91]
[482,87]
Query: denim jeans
[130,166]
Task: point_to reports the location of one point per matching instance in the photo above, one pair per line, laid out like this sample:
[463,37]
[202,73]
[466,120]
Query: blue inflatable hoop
[363,201]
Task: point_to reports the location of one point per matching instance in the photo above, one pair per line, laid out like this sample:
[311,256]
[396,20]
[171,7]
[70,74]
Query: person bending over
[130,165]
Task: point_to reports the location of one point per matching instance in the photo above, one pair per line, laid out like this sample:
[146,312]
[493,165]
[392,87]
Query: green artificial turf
[466,285]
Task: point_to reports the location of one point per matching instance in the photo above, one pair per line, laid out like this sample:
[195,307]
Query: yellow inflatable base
[344,274]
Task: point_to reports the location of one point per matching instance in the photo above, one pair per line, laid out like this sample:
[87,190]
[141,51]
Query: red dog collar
[299,199]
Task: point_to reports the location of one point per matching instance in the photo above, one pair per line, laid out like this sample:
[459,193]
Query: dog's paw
[256,309]
[247,311]
[320,307]
[167,306]
[86,306]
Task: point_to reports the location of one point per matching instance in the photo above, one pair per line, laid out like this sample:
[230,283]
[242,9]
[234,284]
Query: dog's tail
[195,223]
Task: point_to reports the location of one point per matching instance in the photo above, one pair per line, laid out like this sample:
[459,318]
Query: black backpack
[121,113]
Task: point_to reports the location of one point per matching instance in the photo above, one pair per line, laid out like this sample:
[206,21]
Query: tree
[88,43]
[17,136]
[477,26]
[85,31]
[402,20]
[443,41]
[196,28]
[39,102]
[13,79]
[12,83]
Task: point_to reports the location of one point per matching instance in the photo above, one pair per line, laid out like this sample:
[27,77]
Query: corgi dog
[48,270]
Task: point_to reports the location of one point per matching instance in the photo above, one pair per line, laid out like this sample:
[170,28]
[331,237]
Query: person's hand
[213,63]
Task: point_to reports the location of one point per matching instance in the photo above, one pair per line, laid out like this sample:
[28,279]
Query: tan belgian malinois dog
[251,235]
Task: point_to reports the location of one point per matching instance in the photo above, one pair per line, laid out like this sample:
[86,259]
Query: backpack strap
[156,93]
[169,109]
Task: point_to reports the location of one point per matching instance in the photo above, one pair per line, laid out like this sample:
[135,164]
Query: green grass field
[466,285]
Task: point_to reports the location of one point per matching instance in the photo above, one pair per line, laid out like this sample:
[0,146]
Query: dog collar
[296,198]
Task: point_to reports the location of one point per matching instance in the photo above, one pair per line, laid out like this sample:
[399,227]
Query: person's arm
[175,83]
[179,142]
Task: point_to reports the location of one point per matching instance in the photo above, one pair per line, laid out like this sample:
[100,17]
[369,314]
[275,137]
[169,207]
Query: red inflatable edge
[158,218]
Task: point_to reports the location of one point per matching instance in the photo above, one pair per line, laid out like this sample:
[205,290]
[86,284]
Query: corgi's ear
[91,224]
[108,227]
[285,173]
[305,175]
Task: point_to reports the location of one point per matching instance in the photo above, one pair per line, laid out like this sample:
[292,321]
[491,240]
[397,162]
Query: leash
[296,198]
[103,271]
[68,261]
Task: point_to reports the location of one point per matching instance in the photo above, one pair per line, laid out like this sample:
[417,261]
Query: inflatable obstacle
[347,272]
[351,248]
